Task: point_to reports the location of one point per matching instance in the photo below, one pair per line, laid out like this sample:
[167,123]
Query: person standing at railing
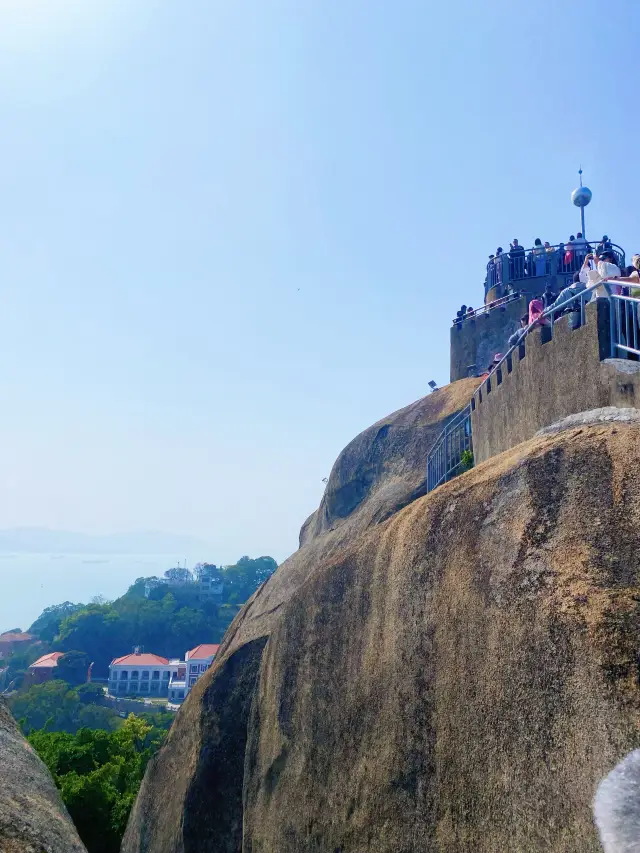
[539,258]
[560,257]
[515,338]
[570,253]
[604,245]
[601,268]
[460,315]
[581,248]
[632,273]
[497,261]
[516,260]
[548,297]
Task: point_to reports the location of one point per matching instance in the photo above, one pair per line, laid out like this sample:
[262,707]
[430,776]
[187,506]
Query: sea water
[31,582]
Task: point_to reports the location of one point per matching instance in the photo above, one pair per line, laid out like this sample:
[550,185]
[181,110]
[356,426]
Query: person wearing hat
[496,361]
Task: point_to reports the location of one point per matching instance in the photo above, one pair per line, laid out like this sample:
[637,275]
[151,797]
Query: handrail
[496,303]
[541,251]
[444,458]
[625,336]
[548,313]
[539,262]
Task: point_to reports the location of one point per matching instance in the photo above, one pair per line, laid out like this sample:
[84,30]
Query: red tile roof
[204,650]
[139,660]
[47,661]
[12,637]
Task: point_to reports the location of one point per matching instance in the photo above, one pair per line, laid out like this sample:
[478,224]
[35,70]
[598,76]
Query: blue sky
[233,235]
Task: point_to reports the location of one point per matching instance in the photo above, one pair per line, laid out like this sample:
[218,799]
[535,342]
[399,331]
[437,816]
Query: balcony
[527,270]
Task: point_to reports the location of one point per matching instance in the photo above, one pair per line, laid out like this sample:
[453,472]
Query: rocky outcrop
[32,816]
[454,678]
[384,468]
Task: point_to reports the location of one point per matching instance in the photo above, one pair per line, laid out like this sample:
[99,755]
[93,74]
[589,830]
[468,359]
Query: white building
[198,661]
[149,675]
[210,583]
[141,674]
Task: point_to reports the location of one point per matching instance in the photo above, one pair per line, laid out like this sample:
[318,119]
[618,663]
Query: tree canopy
[73,667]
[47,625]
[98,774]
[56,707]
[171,621]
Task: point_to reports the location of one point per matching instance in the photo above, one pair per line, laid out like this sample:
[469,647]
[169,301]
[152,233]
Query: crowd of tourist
[567,257]
[599,272]
[594,268]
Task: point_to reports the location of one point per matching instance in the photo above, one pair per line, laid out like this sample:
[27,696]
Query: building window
[145,675]
[165,676]
[144,687]
[154,687]
[122,688]
[181,694]
[156,674]
[135,674]
[133,687]
[194,667]
[192,680]
[124,675]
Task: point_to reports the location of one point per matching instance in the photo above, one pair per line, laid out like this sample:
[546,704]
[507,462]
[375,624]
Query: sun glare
[27,25]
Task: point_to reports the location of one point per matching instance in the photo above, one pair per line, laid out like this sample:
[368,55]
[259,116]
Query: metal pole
[584,236]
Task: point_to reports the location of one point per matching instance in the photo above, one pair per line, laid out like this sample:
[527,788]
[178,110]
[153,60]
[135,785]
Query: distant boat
[95,562]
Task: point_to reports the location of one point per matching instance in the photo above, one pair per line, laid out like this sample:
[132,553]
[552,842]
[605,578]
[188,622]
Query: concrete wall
[549,380]
[476,341]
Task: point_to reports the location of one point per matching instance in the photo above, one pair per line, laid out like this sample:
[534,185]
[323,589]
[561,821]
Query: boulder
[445,672]
[33,818]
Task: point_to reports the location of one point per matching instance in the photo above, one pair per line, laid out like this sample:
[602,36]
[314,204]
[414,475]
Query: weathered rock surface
[454,678]
[33,818]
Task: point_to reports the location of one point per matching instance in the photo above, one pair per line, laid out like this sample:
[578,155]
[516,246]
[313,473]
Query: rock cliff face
[454,678]
[32,816]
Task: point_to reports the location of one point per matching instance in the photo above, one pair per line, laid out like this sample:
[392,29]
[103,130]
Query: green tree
[73,667]
[90,693]
[99,632]
[47,625]
[55,707]
[243,579]
[52,706]
[178,575]
[98,774]
[96,717]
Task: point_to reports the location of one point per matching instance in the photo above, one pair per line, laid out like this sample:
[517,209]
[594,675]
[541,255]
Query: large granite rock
[32,816]
[454,678]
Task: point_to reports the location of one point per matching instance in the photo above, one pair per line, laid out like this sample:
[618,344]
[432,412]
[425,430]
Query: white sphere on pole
[581,196]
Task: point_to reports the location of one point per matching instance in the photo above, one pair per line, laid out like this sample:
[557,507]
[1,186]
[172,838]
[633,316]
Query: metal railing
[445,458]
[445,461]
[625,330]
[539,262]
[496,303]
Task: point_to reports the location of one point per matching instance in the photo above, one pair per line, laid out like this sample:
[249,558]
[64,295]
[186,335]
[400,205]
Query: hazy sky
[233,234]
